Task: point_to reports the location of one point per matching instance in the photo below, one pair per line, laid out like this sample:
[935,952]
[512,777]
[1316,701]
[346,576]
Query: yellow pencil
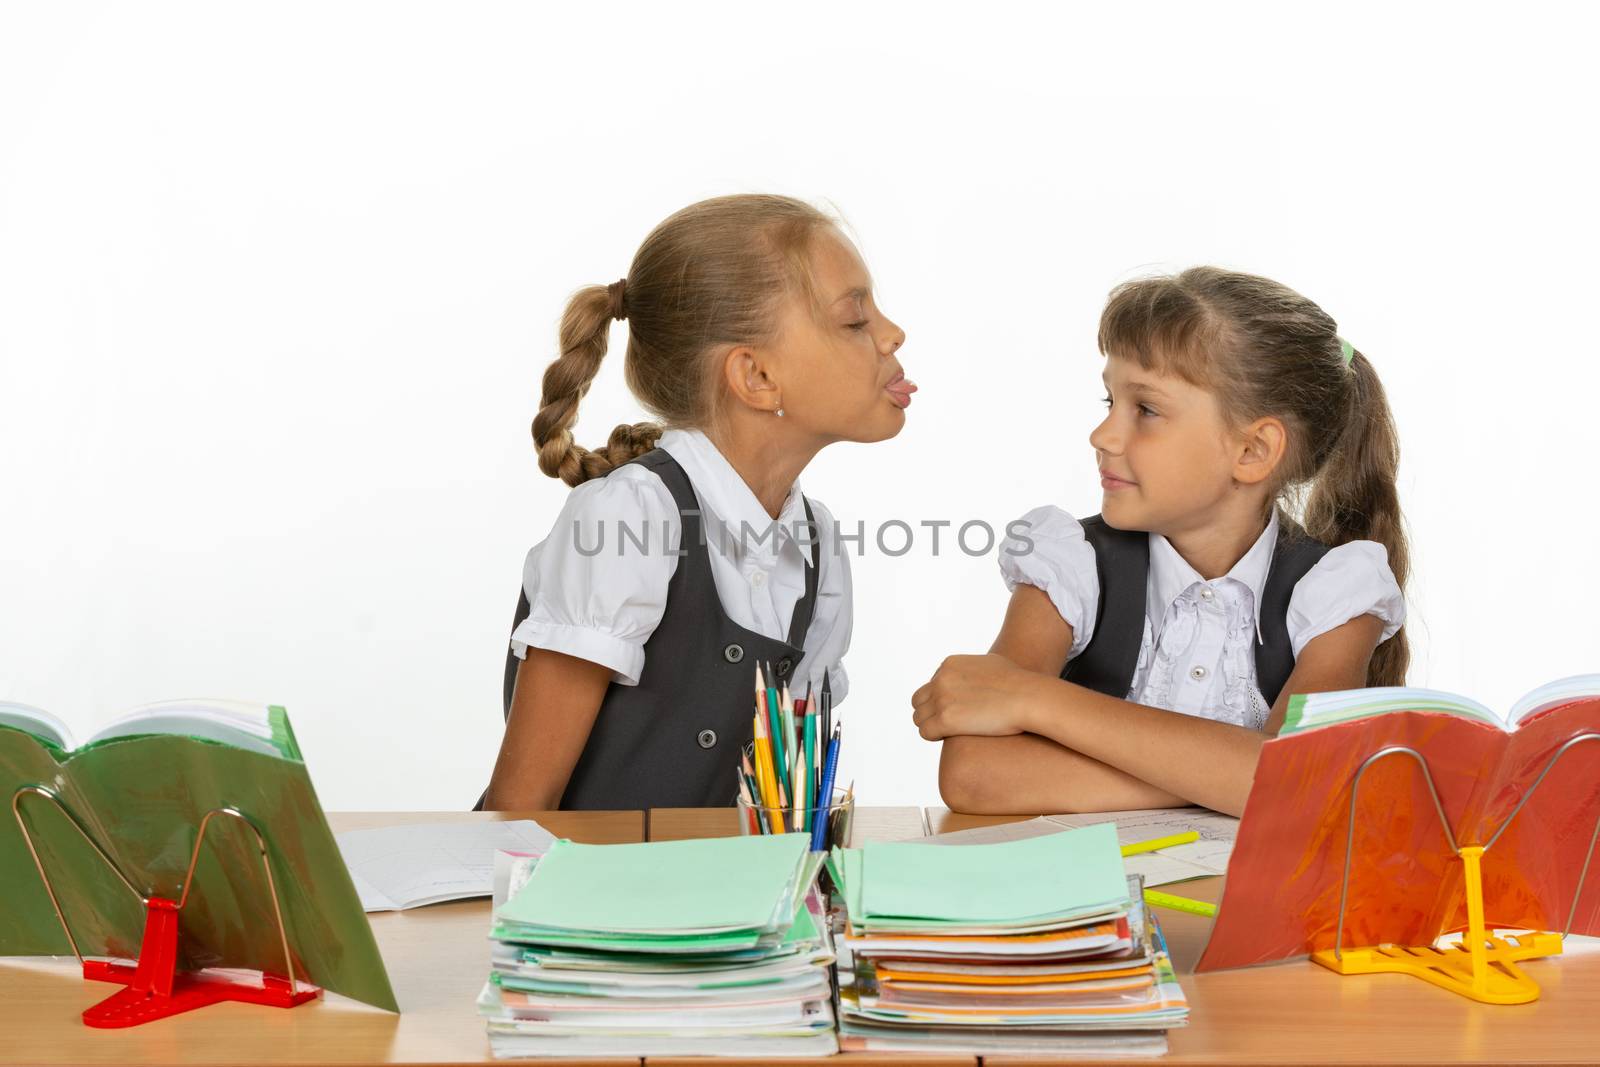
[765,773]
[1177,903]
[1161,842]
[798,793]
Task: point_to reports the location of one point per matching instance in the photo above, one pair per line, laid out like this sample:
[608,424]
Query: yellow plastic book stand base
[1499,981]
[1483,967]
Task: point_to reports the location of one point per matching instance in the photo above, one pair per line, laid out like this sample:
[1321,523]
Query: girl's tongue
[900,391]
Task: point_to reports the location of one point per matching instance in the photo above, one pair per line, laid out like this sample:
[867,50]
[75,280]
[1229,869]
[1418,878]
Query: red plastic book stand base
[156,989]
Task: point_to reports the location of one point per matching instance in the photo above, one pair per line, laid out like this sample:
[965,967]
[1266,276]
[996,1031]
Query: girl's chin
[881,429]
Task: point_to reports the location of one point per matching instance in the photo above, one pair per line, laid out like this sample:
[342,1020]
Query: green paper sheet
[698,887]
[1076,872]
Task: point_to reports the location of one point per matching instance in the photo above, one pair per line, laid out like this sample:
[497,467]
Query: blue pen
[825,795]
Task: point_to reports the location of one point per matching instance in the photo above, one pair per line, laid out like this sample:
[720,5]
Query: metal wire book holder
[1483,966]
[155,988]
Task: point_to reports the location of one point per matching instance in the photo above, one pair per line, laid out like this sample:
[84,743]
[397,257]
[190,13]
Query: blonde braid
[585,333]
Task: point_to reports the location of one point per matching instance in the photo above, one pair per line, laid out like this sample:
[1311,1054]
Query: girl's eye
[862,325]
[1143,409]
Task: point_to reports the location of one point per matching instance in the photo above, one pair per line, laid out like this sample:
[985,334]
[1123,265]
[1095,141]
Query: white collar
[727,501]
[1170,575]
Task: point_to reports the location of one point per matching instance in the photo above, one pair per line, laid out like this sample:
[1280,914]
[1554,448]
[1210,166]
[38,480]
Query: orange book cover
[1281,899]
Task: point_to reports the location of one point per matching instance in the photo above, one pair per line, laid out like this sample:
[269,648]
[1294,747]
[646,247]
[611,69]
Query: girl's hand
[986,696]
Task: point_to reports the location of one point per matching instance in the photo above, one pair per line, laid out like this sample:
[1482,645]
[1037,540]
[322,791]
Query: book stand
[1483,966]
[155,988]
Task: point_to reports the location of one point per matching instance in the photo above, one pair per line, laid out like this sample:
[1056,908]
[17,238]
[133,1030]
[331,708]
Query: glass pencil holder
[755,818]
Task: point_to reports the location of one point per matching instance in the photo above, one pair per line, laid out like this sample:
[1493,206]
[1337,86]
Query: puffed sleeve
[592,592]
[1352,579]
[828,638]
[1046,548]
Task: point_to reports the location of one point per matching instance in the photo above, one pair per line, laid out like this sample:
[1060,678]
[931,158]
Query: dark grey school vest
[1122,558]
[674,740]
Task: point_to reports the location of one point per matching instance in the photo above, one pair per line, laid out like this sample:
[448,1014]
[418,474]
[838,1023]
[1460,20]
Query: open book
[140,788]
[1406,883]
[255,727]
[1307,711]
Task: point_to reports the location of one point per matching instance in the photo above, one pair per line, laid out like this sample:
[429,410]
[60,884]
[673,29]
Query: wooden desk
[1299,1013]
[1293,1013]
[437,956]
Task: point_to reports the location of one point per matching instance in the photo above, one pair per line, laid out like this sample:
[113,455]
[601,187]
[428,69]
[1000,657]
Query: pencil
[799,795]
[811,768]
[748,781]
[827,705]
[791,756]
[1161,842]
[769,793]
[749,808]
[1177,903]
[779,763]
[814,752]
[819,830]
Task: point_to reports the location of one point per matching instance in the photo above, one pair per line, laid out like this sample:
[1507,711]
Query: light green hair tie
[1347,350]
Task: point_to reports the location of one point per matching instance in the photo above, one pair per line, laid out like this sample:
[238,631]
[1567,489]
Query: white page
[1201,859]
[1565,690]
[396,867]
[38,722]
[231,722]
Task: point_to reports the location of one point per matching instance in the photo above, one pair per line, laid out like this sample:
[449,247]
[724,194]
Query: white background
[277,283]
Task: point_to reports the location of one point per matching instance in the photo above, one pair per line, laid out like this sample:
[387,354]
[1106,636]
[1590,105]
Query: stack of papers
[708,947]
[1040,946]
[408,865]
[1205,858]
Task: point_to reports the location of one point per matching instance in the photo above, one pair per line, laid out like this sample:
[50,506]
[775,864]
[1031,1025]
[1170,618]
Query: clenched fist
[979,695]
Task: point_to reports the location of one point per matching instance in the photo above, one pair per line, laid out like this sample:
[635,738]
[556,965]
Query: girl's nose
[893,338]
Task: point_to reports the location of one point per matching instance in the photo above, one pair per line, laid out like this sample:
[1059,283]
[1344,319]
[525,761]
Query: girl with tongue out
[1150,650]
[686,552]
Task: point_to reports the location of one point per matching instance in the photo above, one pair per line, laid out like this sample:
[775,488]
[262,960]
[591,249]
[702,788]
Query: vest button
[784,665]
[1198,673]
[707,738]
[733,654]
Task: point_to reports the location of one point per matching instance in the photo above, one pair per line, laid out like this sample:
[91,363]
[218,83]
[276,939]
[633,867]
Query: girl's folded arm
[1204,761]
[1028,774]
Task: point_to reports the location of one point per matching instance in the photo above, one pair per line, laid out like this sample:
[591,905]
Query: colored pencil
[779,762]
[1177,903]
[825,796]
[827,706]
[764,770]
[1161,842]
[799,794]
[811,768]
[749,809]
[748,783]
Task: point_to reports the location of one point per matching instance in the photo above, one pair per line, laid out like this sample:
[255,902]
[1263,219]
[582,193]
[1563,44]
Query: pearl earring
[780,413]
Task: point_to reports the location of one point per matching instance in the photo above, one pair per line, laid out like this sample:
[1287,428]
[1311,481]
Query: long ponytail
[1354,498]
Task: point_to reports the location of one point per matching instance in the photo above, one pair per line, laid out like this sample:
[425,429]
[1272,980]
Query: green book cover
[142,798]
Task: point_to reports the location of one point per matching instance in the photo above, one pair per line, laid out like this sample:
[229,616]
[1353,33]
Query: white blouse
[603,605]
[1198,651]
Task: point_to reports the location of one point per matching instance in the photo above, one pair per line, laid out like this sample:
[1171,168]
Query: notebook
[141,786]
[1284,879]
